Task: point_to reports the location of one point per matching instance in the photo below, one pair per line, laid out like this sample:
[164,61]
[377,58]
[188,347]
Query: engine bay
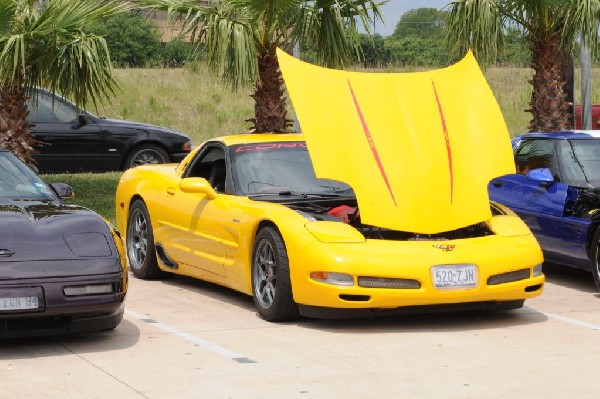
[347,211]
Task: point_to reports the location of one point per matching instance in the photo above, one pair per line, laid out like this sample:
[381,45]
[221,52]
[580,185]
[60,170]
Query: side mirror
[63,190]
[541,175]
[81,119]
[197,185]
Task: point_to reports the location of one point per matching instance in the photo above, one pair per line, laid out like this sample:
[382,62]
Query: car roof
[563,135]
[257,138]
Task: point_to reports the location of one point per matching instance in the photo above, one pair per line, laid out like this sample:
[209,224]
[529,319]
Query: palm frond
[477,25]
[231,50]
[581,20]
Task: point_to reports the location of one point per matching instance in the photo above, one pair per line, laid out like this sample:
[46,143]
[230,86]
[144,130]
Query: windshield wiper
[289,193]
[309,195]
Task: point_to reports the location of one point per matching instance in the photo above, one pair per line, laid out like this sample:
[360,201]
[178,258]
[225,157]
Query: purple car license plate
[20,299]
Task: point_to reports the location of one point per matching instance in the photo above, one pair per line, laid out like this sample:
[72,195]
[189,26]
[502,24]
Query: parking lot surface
[183,338]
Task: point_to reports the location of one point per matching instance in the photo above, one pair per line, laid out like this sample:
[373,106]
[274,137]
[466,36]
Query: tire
[145,154]
[271,286]
[595,258]
[140,243]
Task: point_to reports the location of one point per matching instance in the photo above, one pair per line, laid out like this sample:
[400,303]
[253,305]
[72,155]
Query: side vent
[164,258]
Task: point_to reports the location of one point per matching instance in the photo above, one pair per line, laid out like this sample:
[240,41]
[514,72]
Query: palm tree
[241,37]
[44,43]
[551,29]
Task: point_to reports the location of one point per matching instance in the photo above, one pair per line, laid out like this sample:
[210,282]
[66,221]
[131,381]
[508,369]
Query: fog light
[333,278]
[537,270]
[91,289]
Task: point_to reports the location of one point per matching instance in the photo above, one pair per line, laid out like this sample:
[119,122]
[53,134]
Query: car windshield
[17,181]
[282,168]
[580,162]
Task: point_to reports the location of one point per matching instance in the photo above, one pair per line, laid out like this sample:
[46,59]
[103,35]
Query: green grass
[200,105]
[195,103]
[92,190]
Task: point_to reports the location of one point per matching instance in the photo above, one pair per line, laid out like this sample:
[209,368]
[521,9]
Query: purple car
[62,268]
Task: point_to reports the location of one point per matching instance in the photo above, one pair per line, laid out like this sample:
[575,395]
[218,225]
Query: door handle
[170,191]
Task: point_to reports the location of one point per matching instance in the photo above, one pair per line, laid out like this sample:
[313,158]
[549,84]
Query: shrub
[133,39]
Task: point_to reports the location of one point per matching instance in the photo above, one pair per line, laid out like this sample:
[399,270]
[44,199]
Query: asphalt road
[183,338]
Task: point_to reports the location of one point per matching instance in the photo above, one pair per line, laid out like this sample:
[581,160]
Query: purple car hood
[54,239]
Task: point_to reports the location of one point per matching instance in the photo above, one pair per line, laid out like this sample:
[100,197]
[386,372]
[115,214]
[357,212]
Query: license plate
[19,303]
[454,276]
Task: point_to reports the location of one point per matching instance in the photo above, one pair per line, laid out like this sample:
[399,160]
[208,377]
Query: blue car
[556,191]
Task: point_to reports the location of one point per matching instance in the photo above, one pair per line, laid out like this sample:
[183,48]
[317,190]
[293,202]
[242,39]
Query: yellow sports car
[248,212]
[381,206]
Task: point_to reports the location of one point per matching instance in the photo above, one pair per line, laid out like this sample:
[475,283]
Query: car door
[200,231]
[68,142]
[540,204]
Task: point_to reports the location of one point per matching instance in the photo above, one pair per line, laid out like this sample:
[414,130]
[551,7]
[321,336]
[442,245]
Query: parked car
[556,191]
[595,110]
[75,140]
[62,267]
[248,212]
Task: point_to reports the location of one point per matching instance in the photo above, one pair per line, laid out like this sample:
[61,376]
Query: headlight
[333,278]
[334,232]
[537,270]
[90,289]
[508,226]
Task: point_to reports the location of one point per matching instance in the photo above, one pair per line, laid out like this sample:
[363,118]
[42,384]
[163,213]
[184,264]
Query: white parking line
[566,319]
[192,338]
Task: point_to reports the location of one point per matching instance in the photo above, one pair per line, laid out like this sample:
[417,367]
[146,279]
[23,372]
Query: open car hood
[417,148]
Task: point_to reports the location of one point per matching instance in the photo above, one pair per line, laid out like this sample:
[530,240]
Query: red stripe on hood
[371,143]
[447,137]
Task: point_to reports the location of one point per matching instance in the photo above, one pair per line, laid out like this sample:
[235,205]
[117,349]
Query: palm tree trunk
[568,72]
[549,103]
[14,128]
[270,103]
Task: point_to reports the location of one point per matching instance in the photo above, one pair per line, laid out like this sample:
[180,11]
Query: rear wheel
[147,153]
[140,242]
[596,258]
[271,286]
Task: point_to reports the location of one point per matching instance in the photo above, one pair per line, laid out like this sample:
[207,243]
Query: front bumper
[58,314]
[492,255]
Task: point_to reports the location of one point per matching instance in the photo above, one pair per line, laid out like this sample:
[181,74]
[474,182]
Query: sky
[394,9]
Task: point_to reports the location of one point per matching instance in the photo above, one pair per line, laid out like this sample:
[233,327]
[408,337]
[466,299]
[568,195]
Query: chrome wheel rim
[146,157]
[137,239]
[265,276]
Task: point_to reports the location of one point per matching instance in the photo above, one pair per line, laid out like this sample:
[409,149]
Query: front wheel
[596,258]
[140,243]
[144,154]
[271,286]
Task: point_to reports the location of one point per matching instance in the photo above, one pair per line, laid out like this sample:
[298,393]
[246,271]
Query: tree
[551,29]
[44,44]
[422,23]
[373,51]
[419,38]
[241,37]
[133,39]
